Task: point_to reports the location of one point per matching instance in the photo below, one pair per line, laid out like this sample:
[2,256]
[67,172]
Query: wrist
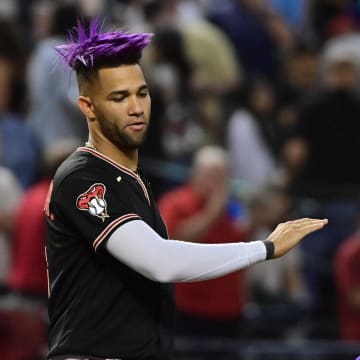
[270,249]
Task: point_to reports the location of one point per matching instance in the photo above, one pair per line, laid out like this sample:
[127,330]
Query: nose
[135,108]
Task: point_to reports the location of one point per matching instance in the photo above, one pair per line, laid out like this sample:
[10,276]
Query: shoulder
[82,172]
[77,164]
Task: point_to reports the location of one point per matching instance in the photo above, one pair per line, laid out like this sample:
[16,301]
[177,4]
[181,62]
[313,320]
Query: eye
[118,99]
[144,94]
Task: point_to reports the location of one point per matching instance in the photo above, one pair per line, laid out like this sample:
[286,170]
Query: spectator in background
[18,148]
[23,330]
[298,79]
[171,74]
[278,290]
[199,212]
[324,177]
[347,271]
[12,49]
[201,40]
[27,273]
[58,116]
[213,77]
[40,15]
[348,43]
[252,137]
[10,195]
[238,19]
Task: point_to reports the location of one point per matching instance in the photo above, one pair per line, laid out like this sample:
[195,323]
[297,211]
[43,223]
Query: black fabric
[99,307]
[191,325]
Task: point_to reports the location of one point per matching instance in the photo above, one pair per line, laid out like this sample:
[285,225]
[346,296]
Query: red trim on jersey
[111,226]
[47,273]
[118,166]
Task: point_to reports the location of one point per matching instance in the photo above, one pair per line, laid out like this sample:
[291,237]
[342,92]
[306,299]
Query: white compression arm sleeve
[138,246]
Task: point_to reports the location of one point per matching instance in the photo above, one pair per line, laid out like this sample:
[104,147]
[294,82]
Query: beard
[121,138]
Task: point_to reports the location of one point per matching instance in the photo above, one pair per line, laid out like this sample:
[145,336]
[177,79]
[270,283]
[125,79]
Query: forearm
[142,249]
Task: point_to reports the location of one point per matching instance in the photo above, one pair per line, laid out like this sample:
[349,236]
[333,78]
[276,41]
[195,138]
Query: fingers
[304,226]
[303,223]
[300,223]
[307,221]
[311,227]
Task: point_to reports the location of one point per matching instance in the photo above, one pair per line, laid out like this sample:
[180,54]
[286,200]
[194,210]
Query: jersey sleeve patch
[112,226]
[93,201]
[88,208]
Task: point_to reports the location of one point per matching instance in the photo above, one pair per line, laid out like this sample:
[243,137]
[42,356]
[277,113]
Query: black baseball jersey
[98,306]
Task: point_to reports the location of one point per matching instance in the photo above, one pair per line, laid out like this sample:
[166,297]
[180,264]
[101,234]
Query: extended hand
[289,234]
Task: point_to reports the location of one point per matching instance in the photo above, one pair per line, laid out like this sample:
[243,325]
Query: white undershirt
[138,246]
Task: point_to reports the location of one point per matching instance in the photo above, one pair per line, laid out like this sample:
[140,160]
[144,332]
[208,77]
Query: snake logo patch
[93,201]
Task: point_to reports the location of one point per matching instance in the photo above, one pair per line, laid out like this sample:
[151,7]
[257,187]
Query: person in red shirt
[23,325]
[199,212]
[23,331]
[28,270]
[27,273]
[347,272]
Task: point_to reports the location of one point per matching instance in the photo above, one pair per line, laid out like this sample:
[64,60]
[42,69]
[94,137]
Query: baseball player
[110,264]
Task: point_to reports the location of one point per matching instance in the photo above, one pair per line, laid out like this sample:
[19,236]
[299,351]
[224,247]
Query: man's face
[122,105]
[211,178]
[342,76]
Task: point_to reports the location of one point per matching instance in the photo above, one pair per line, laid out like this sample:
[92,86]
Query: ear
[86,106]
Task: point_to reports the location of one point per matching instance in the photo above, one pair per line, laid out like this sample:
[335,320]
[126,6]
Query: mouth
[137,126]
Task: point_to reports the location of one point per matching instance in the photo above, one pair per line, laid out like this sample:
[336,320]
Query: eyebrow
[126,92]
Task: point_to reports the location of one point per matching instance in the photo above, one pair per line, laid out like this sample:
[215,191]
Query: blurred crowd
[258,101]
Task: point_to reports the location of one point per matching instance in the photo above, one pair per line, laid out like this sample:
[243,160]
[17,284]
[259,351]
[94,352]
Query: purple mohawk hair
[88,48]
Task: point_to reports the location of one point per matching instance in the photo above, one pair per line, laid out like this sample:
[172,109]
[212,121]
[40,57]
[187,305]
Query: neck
[124,157]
